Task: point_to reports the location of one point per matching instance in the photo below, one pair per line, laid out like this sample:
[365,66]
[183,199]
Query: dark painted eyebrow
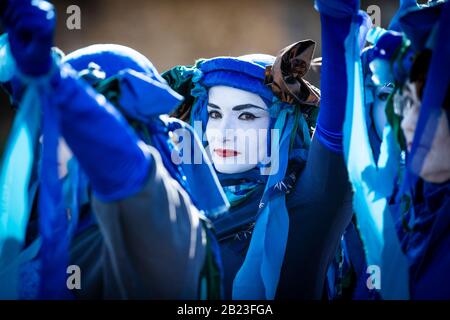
[237,108]
[246,106]
[212,105]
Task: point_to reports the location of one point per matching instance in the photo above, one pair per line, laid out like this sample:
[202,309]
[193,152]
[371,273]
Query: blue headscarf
[145,99]
[259,275]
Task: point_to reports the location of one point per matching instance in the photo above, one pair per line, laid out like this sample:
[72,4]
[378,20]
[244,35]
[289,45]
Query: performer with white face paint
[290,197]
[237,129]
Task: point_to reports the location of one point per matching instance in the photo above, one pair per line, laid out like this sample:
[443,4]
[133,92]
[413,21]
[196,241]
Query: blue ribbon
[53,222]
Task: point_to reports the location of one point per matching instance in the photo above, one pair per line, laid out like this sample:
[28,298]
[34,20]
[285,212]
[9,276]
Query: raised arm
[152,233]
[320,206]
[151,230]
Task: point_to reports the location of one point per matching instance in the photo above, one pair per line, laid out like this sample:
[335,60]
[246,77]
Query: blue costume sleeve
[336,18]
[154,241]
[107,149]
[320,206]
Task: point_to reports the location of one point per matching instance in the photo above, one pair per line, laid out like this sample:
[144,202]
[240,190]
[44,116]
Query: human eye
[383,96]
[214,115]
[247,116]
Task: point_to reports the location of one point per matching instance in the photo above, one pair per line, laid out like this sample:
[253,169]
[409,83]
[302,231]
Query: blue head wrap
[145,99]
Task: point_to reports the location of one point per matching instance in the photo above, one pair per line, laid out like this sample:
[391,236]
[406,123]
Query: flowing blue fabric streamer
[15,180]
[53,224]
[259,274]
[15,176]
[373,182]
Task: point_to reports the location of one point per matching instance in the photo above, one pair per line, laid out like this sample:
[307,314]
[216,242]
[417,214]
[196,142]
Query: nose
[227,130]
[409,123]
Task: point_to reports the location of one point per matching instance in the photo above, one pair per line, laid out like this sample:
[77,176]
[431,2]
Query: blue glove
[30,25]
[336,18]
[405,5]
[106,147]
[337,8]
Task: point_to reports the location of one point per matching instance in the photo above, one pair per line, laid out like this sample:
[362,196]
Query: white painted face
[237,129]
[379,106]
[436,165]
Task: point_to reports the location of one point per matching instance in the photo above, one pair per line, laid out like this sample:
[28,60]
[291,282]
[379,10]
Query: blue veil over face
[258,276]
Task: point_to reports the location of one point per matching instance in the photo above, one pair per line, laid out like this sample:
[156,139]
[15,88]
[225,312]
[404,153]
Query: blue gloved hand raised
[405,5]
[337,8]
[30,25]
[336,18]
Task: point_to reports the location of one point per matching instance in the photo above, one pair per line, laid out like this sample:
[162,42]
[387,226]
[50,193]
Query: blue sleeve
[320,208]
[320,205]
[104,144]
[333,83]
[154,241]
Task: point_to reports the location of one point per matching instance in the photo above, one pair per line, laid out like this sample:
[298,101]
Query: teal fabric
[238,193]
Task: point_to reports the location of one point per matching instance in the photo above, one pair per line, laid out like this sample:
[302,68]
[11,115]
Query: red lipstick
[225,153]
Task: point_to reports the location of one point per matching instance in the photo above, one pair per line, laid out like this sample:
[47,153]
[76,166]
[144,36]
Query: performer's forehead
[235,98]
